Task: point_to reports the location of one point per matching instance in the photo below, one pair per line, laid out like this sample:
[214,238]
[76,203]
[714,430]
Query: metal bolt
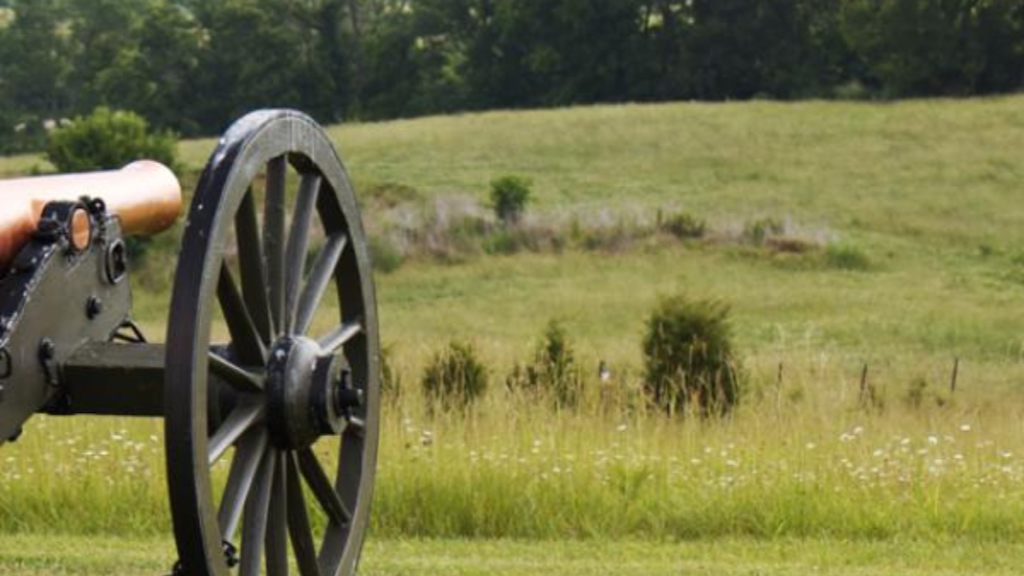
[347,396]
[47,350]
[93,307]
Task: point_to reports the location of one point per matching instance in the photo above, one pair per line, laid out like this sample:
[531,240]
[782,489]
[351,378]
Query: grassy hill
[926,192]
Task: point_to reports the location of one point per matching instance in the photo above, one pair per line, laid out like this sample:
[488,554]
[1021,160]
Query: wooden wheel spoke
[245,338]
[298,243]
[251,265]
[319,279]
[322,488]
[237,377]
[257,510]
[241,419]
[299,528]
[240,480]
[277,530]
[330,344]
[273,237]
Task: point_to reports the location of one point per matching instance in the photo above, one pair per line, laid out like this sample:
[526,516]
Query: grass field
[799,480]
[40,556]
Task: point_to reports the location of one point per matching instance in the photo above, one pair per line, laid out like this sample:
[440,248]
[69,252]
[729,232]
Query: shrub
[683,225]
[106,140]
[455,378]
[509,196]
[688,356]
[553,370]
[503,242]
[844,256]
[758,231]
[383,255]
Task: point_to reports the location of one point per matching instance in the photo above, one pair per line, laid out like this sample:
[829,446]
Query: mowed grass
[43,556]
[927,190]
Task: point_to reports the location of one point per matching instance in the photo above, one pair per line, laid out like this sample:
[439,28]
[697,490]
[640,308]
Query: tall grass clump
[688,356]
[455,378]
[757,232]
[390,377]
[553,371]
[846,256]
[509,196]
[683,225]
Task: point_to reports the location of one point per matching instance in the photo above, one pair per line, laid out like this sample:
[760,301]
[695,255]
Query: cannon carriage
[271,351]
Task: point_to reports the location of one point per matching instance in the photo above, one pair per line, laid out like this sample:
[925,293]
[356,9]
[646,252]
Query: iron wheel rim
[274,141]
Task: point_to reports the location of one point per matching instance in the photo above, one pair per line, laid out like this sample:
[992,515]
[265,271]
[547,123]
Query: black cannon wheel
[275,396]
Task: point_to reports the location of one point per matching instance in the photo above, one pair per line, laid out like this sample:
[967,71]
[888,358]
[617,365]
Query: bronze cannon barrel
[145,195]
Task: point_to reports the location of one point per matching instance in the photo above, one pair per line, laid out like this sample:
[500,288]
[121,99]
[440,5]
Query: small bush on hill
[688,356]
[844,256]
[683,225]
[106,140]
[758,231]
[509,196]
[553,371]
[455,378]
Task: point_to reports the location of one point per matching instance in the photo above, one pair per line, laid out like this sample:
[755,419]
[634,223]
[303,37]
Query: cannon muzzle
[145,195]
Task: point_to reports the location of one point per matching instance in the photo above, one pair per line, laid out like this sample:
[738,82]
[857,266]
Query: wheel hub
[309,395]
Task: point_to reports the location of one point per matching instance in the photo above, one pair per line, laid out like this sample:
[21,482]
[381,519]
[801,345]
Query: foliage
[950,47]
[846,256]
[688,356]
[509,196]
[684,225]
[758,231]
[455,378]
[194,66]
[553,371]
[108,139]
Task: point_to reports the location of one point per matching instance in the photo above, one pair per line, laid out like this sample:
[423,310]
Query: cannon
[267,380]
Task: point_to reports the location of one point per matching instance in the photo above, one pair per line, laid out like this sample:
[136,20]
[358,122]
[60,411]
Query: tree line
[193,65]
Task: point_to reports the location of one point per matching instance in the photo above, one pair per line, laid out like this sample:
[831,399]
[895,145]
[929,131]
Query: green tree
[257,55]
[34,70]
[157,72]
[933,47]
